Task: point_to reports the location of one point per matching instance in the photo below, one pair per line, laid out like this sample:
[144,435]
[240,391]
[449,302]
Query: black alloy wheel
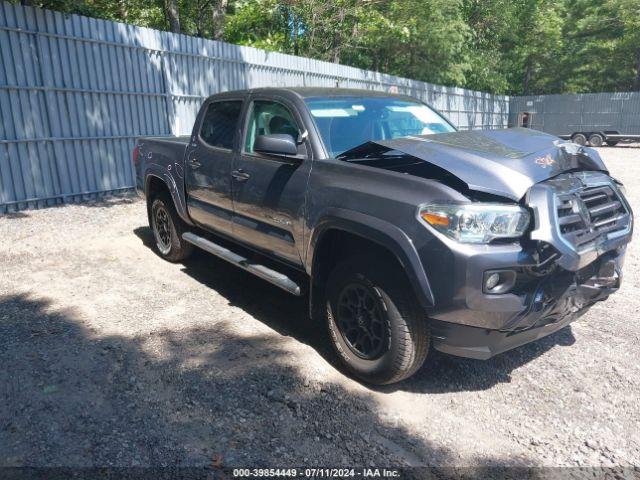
[162,229]
[362,321]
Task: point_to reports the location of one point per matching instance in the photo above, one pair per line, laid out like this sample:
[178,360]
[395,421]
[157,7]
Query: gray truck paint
[500,162]
[286,207]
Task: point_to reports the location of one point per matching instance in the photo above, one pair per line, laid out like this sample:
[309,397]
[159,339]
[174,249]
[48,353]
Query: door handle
[193,163]
[240,175]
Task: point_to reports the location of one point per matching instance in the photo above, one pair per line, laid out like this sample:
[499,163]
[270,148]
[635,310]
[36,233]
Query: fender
[381,232]
[164,174]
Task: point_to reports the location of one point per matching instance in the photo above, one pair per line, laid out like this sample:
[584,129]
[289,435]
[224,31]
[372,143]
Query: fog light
[492,281]
[500,281]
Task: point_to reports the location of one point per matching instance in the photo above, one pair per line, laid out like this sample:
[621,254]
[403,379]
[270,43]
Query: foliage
[502,46]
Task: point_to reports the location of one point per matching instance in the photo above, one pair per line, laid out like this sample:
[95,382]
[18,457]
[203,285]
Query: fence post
[62,183]
[170,109]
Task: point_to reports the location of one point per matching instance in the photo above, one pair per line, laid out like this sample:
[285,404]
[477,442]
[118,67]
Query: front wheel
[375,323]
[167,229]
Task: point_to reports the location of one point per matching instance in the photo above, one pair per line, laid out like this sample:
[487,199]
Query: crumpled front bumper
[556,301]
[482,344]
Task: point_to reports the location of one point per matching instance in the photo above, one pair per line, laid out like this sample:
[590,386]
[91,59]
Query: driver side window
[267,118]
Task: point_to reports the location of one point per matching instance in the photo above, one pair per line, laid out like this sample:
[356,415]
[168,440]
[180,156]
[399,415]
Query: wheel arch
[156,181]
[373,232]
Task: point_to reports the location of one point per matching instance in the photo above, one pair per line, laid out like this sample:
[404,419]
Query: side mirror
[276,144]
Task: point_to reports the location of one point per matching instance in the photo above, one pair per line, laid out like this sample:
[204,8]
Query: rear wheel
[167,229]
[579,138]
[376,325]
[596,140]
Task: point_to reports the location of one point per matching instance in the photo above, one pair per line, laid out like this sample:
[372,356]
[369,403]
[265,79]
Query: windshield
[346,122]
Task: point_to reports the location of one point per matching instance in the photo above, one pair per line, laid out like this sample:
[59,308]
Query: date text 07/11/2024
[316,472]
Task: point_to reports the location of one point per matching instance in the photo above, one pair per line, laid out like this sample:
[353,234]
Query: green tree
[258,23]
[421,39]
[493,33]
[502,46]
[604,46]
[536,55]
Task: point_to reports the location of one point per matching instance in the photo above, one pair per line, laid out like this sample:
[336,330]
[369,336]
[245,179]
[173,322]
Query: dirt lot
[112,356]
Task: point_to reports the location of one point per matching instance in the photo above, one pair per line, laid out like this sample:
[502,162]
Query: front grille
[589,213]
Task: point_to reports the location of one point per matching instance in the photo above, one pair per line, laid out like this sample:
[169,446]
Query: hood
[501,162]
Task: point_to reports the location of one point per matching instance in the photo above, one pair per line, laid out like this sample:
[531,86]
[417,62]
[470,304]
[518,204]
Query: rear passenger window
[220,123]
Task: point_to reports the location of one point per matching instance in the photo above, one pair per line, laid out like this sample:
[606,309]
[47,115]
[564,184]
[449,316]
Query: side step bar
[277,278]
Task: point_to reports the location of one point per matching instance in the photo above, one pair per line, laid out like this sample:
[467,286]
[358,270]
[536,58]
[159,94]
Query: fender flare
[165,177]
[381,232]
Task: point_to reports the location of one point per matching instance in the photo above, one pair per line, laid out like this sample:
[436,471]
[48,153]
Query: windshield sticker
[332,112]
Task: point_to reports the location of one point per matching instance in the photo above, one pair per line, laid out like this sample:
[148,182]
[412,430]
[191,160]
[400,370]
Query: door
[269,191]
[208,165]
[525,119]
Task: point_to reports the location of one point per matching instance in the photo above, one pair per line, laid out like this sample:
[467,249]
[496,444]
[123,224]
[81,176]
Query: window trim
[204,115]
[245,129]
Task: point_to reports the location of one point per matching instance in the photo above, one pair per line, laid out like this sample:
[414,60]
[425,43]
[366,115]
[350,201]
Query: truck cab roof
[310,92]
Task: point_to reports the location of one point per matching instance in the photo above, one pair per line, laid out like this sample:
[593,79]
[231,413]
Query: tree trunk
[218,19]
[312,34]
[123,10]
[527,77]
[296,39]
[337,37]
[171,10]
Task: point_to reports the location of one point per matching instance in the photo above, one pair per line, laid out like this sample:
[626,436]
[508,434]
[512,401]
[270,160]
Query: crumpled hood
[502,162]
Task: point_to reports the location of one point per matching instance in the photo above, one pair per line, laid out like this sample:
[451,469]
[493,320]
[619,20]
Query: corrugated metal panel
[76,91]
[567,113]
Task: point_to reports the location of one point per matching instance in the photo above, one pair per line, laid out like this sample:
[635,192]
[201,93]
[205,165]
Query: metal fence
[76,91]
[565,114]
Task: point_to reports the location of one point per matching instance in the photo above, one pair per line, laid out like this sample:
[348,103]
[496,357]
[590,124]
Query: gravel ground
[112,356]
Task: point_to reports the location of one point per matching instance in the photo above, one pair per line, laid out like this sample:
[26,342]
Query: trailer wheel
[612,143]
[596,140]
[579,138]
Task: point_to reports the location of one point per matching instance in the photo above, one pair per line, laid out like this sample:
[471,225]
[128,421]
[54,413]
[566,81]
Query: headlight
[477,222]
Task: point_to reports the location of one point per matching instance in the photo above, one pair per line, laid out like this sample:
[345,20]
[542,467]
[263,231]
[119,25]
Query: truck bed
[163,151]
[164,158]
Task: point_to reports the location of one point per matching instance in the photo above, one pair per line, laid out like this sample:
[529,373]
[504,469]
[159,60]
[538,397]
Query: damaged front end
[577,246]
[495,296]
[571,259]
[536,307]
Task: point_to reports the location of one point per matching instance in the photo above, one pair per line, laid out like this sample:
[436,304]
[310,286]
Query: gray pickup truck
[405,233]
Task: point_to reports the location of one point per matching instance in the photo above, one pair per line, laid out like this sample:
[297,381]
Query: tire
[364,294]
[167,228]
[579,138]
[612,143]
[596,140]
